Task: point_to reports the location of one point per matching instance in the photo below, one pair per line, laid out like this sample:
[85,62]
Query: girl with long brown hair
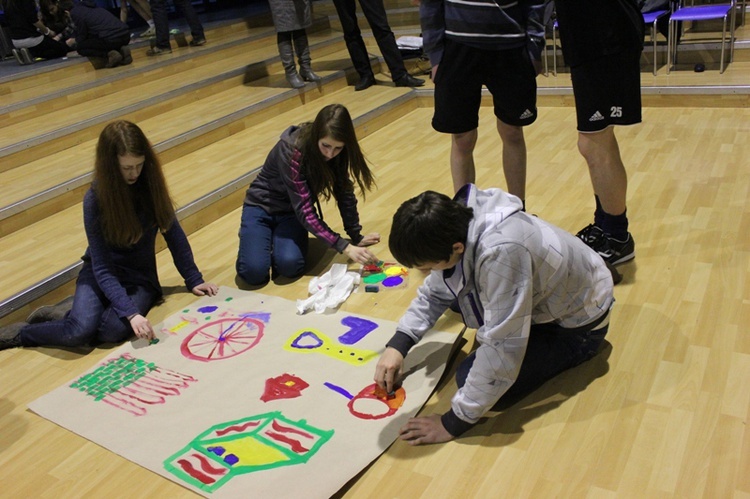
[314,160]
[127,204]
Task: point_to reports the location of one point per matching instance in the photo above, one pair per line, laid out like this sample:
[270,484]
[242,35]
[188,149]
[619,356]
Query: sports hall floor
[663,410]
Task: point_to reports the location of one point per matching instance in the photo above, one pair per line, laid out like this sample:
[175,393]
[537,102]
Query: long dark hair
[323,176]
[121,226]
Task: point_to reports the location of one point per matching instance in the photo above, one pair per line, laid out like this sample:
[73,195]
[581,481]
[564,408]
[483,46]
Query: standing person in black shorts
[602,44]
[496,43]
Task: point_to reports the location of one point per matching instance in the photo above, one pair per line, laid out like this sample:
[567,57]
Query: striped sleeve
[303,203]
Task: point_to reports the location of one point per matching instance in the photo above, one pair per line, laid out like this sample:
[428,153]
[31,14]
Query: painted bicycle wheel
[222,339]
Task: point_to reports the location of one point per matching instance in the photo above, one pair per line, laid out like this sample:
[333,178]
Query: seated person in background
[311,161]
[127,204]
[100,36]
[537,295]
[31,38]
[58,21]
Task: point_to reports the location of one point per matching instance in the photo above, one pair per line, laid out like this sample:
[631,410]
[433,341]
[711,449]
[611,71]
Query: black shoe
[10,335]
[409,81]
[612,250]
[158,51]
[365,82]
[197,42]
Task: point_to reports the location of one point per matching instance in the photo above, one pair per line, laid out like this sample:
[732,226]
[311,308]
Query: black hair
[426,227]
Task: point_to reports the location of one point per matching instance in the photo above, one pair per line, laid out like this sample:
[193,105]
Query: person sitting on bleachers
[100,36]
[58,21]
[31,38]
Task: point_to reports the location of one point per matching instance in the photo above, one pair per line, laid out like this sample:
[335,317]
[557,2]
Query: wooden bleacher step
[30,194]
[62,128]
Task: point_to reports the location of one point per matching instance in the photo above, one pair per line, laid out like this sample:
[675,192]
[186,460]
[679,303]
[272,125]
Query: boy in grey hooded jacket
[538,297]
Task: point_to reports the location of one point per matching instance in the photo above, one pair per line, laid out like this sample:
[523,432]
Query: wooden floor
[662,411]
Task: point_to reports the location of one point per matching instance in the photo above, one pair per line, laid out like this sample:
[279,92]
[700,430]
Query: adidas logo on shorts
[526,114]
[597,116]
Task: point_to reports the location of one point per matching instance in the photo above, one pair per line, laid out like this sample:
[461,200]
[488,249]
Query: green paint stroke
[256,435]
[113,376]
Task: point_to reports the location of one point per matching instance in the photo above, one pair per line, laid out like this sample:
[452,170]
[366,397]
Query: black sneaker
[612,250]
[155,50]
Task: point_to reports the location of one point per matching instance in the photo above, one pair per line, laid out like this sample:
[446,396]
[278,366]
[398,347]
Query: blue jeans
[91,320]
[270,242]
[550,351]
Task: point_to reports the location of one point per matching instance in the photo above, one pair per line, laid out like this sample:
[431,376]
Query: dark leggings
[551,350]
[49,49]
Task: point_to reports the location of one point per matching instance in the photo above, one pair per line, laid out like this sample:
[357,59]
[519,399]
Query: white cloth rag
[409,42]
[329,290]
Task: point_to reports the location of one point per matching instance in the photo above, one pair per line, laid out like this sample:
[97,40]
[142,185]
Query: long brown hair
[118,201]
[322,176]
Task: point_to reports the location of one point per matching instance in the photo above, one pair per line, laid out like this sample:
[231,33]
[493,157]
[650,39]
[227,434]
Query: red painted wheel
[222,339]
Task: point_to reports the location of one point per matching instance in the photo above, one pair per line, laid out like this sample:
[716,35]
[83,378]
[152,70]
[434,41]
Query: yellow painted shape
[353,356]
[395,270]
[251,452]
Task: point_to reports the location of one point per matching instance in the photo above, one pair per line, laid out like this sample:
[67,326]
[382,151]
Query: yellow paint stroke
[353,356]
[179,326]
[395,270]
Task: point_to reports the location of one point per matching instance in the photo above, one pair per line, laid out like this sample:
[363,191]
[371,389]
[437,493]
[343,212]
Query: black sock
[615,226]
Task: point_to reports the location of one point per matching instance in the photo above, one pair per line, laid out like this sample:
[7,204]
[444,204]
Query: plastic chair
[702,13]
[554,52]
[650,19]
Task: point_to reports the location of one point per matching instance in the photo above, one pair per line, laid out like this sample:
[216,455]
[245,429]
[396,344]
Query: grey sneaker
[26,55]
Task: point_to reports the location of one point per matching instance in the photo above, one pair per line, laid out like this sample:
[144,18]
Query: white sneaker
[150,32]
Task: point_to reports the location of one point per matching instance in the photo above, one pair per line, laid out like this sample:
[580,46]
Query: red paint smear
[278,427]
[175,374]
[277,388]
[142,395]
[294,444]
[190,470]
[206,465]
[156,387]
[124,405]
[237,428]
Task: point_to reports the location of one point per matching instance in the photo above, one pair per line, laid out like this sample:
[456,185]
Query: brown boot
[9,335]
[51,312]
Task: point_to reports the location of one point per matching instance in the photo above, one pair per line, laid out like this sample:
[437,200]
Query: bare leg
[514,158]
[608,175]
[142,8]
[124,11]
[462,158]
